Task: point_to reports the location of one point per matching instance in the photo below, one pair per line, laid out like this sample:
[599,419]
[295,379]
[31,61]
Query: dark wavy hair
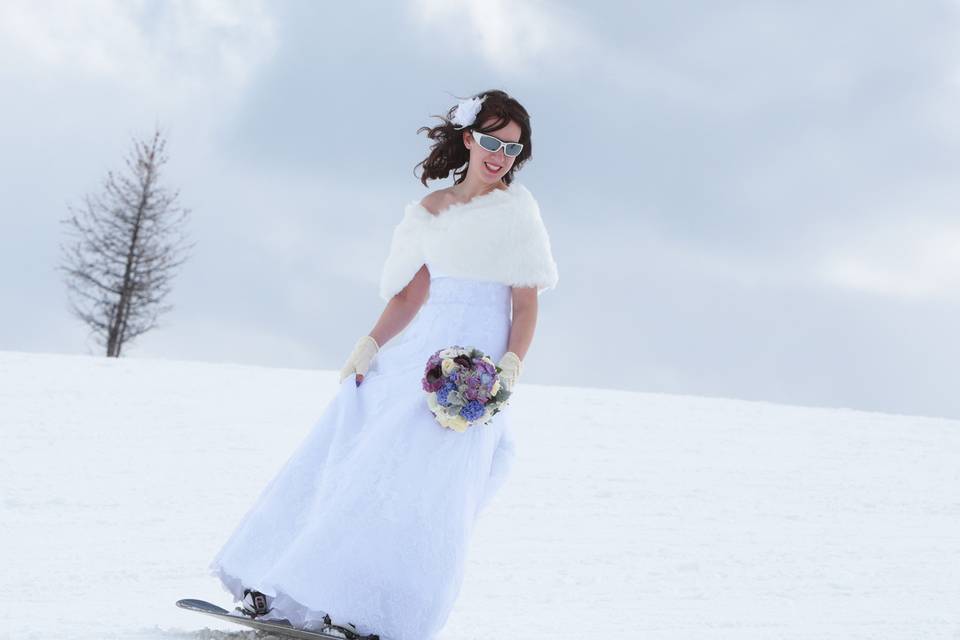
[448,152]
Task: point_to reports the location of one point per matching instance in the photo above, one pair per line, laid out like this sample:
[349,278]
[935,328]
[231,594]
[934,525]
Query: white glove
[359,360]
[511,366]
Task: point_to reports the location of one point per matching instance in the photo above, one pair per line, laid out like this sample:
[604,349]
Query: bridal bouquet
[463,387]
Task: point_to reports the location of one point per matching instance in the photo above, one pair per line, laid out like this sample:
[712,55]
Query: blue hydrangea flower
[472,410]
[444,391]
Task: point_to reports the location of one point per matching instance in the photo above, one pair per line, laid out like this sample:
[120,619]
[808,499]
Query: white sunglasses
[493,145]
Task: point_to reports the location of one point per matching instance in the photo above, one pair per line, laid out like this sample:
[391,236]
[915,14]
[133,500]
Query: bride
[367,524]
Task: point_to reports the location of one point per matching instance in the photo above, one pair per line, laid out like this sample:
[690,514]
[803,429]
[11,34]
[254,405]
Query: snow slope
[631,515]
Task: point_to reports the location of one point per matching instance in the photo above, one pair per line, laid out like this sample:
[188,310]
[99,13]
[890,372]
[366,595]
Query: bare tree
[128,241]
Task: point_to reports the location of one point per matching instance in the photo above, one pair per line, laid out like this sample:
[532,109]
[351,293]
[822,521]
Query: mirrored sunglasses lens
[513,149]
[488,143]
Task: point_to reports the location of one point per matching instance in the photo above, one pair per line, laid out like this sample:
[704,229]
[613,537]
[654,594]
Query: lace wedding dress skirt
[369,519]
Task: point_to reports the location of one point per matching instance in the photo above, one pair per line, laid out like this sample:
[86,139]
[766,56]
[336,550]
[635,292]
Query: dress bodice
[446,288]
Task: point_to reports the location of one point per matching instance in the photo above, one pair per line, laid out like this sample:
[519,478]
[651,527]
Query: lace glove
[511,365]
[359,360]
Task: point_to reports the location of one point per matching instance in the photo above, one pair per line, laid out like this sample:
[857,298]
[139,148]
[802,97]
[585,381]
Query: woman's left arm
[524,321]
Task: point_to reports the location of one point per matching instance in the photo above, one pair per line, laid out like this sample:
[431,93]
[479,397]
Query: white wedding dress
[369,519]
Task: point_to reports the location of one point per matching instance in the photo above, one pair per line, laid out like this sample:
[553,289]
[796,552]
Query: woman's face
[486,166]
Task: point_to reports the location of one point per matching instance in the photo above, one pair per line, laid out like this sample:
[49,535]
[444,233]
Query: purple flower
[432,379]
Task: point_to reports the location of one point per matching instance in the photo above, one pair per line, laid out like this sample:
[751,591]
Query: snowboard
[275,626]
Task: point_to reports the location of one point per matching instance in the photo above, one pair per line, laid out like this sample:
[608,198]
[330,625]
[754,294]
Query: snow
[628,515]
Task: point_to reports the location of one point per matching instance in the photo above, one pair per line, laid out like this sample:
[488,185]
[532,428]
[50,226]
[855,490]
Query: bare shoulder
[436,201]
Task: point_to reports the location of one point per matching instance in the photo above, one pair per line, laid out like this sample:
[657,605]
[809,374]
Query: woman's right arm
[401,309]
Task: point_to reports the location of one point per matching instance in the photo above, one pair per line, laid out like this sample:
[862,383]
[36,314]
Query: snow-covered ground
[628,515]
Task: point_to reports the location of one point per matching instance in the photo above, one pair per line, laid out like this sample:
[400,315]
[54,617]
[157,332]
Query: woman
[368,521]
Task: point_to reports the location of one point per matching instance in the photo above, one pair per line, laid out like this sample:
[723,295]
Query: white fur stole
[497,236]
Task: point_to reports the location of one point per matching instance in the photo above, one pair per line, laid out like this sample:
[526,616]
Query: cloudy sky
[756,200]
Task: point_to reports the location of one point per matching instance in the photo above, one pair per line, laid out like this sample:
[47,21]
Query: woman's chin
[490,178]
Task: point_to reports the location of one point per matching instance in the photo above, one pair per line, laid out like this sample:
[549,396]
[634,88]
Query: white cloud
[96,37]
[165,51]
[915,260]
[509,35]
[944,103]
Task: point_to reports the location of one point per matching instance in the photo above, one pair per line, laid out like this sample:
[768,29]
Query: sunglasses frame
[503,145]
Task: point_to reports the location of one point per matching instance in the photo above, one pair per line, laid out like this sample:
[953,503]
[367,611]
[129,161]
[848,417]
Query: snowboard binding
[347,630]
[253,604]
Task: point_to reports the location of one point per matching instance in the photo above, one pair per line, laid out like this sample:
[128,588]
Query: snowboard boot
[254,603]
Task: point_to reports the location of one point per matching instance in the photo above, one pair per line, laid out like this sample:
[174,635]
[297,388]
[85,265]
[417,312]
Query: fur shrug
[498,236]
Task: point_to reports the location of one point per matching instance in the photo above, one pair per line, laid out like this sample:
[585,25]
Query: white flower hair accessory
[465,113]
